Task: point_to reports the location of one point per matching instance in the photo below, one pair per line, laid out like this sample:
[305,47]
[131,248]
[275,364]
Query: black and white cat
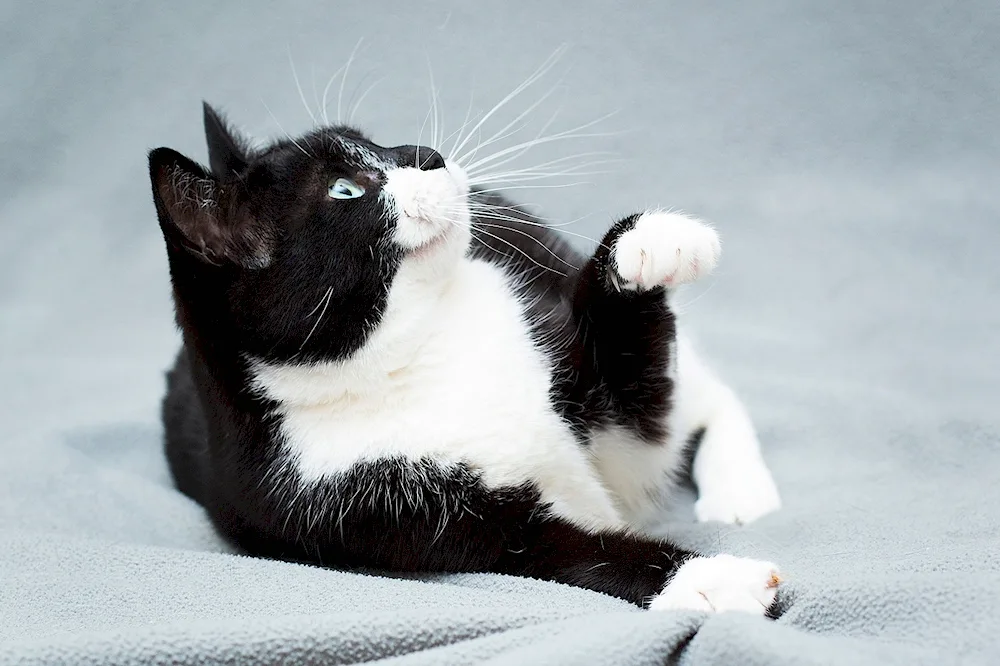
[383,368]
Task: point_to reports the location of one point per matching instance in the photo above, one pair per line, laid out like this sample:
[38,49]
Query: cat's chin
[429,249]
[443,246]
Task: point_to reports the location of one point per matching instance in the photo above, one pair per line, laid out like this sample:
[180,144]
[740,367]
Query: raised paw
[720,583]
[664,250]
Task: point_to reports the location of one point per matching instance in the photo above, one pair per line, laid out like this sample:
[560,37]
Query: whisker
[497,135]
[526,234]
[465,123]
[435,137]
[539,134]
[312,84]
[558,228]
[537,74]
[475,229]
[529,175]
[548,123]
[420,134]
[326,91]
[357,105]
[567,158]
[518,250]
[343,80]
[529,187]
[326,303]
[298,86]
[520,148]
[287,135]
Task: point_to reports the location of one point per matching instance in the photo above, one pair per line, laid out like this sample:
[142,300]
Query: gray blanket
[846,151]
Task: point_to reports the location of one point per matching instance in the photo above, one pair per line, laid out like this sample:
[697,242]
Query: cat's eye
[345,188]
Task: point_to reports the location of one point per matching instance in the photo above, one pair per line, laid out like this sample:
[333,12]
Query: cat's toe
[720,583]
[665,250]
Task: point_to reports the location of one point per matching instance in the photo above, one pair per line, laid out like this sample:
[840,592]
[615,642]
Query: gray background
[847,153]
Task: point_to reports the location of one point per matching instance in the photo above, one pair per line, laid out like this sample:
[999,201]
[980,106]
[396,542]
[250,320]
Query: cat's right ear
[228,151]
[203,215]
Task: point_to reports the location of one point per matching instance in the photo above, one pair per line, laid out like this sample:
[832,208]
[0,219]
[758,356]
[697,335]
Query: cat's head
[292,250]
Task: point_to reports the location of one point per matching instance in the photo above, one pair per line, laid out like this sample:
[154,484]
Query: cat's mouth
[432,207]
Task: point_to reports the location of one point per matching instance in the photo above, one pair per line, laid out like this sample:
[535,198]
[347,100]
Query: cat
[385,368]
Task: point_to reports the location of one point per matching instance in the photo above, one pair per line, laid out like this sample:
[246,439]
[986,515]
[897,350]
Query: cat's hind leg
[734,484]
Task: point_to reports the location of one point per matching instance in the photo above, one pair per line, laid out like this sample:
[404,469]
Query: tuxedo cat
[384,368]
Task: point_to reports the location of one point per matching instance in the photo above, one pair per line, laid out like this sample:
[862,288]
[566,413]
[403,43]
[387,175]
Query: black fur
[242,244]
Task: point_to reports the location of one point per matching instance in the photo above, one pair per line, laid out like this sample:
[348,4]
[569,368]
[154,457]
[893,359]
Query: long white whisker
[499,135]
[535,177]
[554,227]
[326,91]
[521,148]
[312,84]
[490,211]
[538,73]
[568,158]
[343,80]
[326,303]
[585,169]
[420,134]
[527,256]
[357,105]
[544,128]
[298,86]
[465,123]
[526,234]
[530,187]
[511,246]
[435,127]
[287,135]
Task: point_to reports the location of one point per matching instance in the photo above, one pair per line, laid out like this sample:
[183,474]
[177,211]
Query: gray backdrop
[846,151]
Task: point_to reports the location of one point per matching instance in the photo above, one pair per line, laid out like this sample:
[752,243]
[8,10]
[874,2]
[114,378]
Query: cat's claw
[720,583]
[664,250]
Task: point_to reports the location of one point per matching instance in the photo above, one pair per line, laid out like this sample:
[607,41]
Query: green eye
[345,188]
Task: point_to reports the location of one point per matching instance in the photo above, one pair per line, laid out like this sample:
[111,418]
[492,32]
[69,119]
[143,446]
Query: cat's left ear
[204,216]
[228,151]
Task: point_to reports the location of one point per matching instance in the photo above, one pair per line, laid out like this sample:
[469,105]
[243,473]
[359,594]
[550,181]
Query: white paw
[720,583]
[665,249]
[739,498]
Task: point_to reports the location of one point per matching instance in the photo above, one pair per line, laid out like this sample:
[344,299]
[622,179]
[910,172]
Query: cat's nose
[422,157]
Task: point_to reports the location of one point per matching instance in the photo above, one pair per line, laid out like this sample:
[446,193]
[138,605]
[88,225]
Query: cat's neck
[416,309]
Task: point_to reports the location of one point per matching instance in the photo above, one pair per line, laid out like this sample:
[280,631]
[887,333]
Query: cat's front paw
[664,250]
[720,583]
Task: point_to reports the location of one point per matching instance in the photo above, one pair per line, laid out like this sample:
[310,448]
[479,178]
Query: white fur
[718,584]
[639,474]
[666,249]
[734,483]
[428,204]
[451,373]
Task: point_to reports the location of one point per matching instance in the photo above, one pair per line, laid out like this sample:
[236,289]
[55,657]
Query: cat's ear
[204,215]
[228,151]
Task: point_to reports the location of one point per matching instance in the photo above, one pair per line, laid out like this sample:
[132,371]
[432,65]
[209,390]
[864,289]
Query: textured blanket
[847,152]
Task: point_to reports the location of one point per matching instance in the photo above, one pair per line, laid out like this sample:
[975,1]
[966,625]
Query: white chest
[463,384]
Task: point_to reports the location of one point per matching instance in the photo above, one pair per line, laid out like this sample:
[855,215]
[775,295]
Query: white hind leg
[734,483]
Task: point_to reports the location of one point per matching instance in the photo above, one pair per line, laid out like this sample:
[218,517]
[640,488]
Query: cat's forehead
[348,145]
